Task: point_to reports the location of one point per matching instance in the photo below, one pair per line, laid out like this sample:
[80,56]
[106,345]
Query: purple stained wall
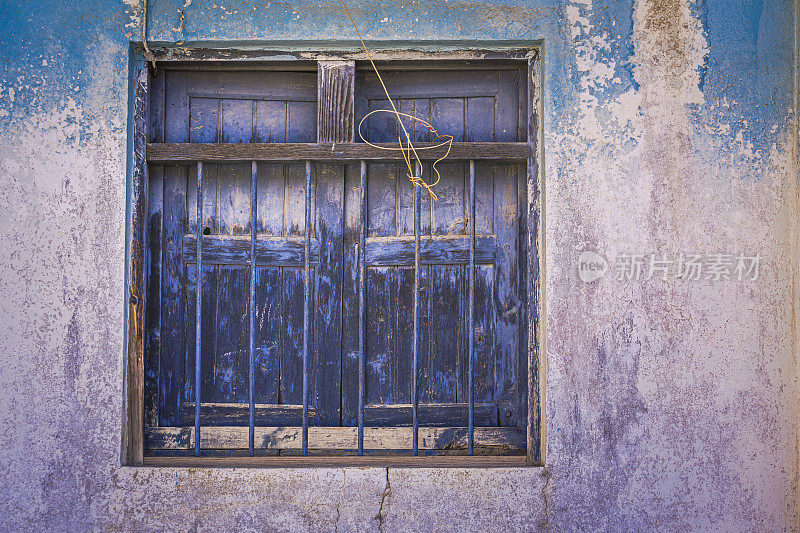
[672,404]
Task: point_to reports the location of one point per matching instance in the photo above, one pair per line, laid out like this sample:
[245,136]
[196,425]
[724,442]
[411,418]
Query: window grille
[223,114]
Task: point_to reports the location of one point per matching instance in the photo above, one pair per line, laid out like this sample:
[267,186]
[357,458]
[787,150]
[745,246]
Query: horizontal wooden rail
[380,251]
[283,251]
[236,414]
[350,151]
[388,251]
[332,438]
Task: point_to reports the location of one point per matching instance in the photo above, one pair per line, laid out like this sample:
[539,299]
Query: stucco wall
[671,405]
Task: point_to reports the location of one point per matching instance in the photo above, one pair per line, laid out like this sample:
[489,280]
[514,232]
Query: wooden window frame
[333,133]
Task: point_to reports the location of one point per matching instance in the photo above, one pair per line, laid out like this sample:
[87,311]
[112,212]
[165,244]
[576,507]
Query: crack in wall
[545,500]
[339,501]
[387,492]
[182,23]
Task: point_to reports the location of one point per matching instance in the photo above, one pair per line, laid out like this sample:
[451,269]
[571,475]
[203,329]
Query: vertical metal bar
[252,351]
[306,305]
[362,289]
[471,342]
[415,340]
[198,310]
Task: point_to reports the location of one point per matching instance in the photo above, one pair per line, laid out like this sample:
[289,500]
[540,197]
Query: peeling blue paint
[699,10]
[746,77]
[49,50]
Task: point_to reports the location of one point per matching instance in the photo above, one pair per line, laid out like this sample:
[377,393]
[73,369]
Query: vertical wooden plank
[484,283]
[237,121]
[293,288]
[449,211]
[423,108]
[350,307]
[177,128]
[406,105]
[328,279]
[291,379]
[208,331]
[231,355]
[462,374]
[230,362]
[271,121]
[173,303]
[295,201]
[335,116]
[360,107]
[204,120]
[415,328]
[269,324]
[380,127]
[302,122]
[533,281]
[405,202]
[445,322]
[271,188]
[136,275]
[335,85]
[471,312]
[234,199]
[484,198]
[425,376]
[157,103]
[484,334]
[480,119]
[381,222]
[177,119]
[507,107]
[155,193]
[522,111]
[448,117]
[506,300]
[403,329]
[362,305]
[381,199]
[210,188]
[269,316]
[380,282]
[209,287]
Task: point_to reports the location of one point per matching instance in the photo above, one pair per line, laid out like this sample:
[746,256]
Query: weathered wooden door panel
[233,107]
[240,106]
[480,105]
[470,105]
[444,291]
[510,382]
[173,307]
[226,255]
[328,200]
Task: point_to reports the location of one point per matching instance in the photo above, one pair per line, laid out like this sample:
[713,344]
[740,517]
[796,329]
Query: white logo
[591,266]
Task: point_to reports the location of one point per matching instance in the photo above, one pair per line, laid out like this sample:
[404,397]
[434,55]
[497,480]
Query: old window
[322,361]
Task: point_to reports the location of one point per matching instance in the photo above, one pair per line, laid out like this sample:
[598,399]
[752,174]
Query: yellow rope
[409,147]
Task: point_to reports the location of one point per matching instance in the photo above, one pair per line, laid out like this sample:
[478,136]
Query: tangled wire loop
[407,149]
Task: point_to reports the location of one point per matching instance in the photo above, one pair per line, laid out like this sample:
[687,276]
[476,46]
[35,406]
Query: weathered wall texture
[671,405]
